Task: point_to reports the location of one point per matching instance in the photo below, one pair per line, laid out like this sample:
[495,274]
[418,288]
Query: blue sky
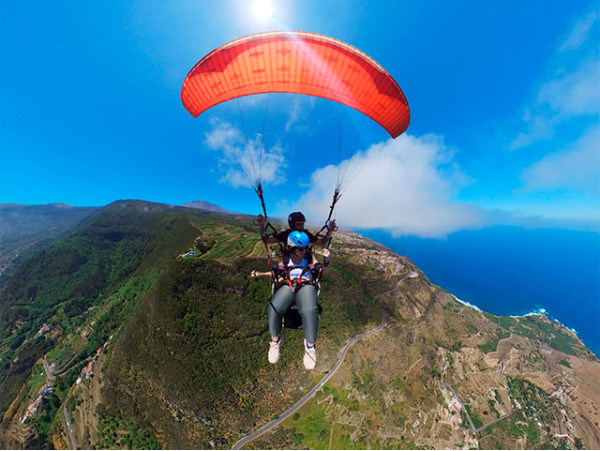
[504,98]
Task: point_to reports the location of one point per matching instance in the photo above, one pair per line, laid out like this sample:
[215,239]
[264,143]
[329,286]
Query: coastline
[505,271]
[468,304]
[537,312]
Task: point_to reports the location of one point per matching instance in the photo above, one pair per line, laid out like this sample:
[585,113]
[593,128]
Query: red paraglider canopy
[297,62]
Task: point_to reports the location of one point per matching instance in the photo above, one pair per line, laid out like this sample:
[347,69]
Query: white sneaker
[274,350]
[310,356]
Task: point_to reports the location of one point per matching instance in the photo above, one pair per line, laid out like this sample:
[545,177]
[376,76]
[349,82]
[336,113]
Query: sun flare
[263,9]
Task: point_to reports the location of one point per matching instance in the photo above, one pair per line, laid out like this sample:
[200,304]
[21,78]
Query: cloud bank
[405,185]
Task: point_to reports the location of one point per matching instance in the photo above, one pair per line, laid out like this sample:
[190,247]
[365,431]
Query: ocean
[514,271]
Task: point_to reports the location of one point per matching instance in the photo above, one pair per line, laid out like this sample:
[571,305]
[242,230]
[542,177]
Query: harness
[291,317]
[290,275]
[295,273]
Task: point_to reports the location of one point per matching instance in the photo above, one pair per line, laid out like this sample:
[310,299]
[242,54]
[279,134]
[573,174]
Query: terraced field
[234,243]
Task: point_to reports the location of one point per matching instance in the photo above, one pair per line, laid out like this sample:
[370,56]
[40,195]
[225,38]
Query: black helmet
[295,217]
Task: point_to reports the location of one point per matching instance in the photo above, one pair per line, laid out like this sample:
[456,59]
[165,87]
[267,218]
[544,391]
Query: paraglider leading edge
[297,62]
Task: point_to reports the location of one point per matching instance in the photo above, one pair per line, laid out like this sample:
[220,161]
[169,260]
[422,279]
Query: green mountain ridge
[24,229]
[177,344]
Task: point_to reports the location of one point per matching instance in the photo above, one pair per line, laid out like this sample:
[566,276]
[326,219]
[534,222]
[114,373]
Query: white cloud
[576,168]
[580,32]
[294,116]
[297,114]
[245,161]
[539,128]
[575,93]
[405,185]
[223,136]
[570,95]
[571,91]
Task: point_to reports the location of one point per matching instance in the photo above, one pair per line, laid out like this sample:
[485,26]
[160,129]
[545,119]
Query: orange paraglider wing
[297,62]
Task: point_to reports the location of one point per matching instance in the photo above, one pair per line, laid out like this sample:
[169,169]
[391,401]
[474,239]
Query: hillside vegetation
[24,229]
[142,330]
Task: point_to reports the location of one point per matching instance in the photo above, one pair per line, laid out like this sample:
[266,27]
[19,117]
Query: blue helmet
[298,239]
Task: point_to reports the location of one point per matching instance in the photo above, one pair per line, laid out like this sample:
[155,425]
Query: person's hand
[253,274]
[261,221]
[325,253]
[332,227]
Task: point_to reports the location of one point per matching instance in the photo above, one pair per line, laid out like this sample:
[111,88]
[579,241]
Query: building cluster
[451,413]
[564,393]
[189,254]
[48,329]
[43,330]
[88,371]
[381,260]
[34,405]
[378,258]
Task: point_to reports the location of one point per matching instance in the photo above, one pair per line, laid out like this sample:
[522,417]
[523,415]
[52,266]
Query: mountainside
[26,228]
[141,329]
[204,205]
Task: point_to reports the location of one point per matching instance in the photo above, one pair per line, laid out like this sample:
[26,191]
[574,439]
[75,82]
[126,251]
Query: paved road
[247,439]
[475,430]
[267,427]
[70,428]
[52,376]
[49,376]
[449,387]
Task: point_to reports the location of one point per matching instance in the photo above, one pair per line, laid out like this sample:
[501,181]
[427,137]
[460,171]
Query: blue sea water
[513,271]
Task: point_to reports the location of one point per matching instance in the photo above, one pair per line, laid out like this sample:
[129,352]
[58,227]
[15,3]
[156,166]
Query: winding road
[50,378]
[267,427]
